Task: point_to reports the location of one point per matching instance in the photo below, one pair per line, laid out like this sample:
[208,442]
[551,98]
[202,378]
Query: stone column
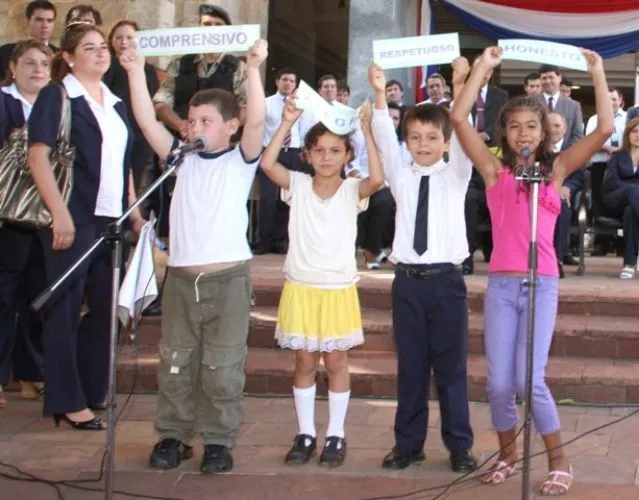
[377,19]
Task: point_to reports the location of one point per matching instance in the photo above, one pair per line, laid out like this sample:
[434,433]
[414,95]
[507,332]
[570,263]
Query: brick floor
[605,461]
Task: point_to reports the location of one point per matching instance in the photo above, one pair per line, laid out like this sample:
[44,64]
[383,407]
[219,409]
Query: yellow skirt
[319,319]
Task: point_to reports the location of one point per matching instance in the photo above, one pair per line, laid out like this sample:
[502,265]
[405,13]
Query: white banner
[558,54]
[198,40]
[338,118]
[416,51]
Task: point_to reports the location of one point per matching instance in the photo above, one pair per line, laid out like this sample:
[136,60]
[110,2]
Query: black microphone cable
[77,484]
[476,474]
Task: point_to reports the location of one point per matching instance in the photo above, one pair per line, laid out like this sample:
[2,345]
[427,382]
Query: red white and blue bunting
[609,27]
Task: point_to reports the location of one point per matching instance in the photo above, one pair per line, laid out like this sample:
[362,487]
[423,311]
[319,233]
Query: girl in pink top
[522,124]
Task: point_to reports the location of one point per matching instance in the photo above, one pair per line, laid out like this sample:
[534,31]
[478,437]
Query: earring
[13,76]
[71,65]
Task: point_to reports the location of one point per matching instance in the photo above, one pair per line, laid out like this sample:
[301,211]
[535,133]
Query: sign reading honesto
[540,51]
[198,40]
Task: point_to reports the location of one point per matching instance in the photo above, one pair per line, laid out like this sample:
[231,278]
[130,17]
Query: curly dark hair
[544,153]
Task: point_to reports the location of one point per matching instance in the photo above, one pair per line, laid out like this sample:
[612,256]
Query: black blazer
[619,173]
[117,80]
[495,100]
[86,137]
[577,180]
[5,57]
[13,115]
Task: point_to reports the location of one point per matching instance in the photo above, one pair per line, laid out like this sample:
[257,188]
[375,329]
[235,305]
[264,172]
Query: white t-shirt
[208,218]
[322,233]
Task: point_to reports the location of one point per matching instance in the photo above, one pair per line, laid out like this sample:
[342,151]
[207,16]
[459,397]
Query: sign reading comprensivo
[416,50]
[198,40]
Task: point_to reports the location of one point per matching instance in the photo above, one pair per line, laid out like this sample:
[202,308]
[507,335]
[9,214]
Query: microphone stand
[533,176]
[115,236]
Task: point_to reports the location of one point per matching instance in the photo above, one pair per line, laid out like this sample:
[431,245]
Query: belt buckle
[411,273]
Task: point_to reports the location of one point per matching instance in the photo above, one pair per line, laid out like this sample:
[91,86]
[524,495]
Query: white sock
[305,409]
[337,406]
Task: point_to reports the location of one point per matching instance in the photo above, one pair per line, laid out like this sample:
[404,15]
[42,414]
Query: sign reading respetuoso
[198,40]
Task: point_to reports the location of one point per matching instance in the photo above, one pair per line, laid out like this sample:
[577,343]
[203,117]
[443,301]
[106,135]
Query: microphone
[521,172]
[198,144]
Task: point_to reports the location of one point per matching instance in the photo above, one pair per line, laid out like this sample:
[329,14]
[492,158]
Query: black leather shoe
[569,260]
[169,453]
[468,267]
[301,452]
[154,309]
[462,461]
[397,459]
[334,452]
[562,273]
[217,458]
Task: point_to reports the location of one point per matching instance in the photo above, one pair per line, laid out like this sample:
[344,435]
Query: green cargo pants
[203,350]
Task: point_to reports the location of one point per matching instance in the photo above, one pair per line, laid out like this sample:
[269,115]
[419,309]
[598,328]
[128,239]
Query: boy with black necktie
[430,308]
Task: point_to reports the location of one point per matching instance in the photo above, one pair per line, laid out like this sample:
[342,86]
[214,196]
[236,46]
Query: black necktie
[420,239]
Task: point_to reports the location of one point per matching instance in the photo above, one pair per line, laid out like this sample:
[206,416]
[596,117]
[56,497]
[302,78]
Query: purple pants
[505,337]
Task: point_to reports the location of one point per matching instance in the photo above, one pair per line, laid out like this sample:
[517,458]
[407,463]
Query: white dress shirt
[447,194]
[556,147]
[114,141]
[274,108]
[555,98]
[620,125]
[13,91]
[430,101]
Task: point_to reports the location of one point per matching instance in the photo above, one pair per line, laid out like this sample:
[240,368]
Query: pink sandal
[553,479]
[498,473]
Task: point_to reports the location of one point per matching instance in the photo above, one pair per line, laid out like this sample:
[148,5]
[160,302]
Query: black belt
[422,271]
[295,150]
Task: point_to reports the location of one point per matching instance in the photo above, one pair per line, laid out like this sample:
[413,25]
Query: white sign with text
[198,40]
[338,118]
[539,51]
[416,51]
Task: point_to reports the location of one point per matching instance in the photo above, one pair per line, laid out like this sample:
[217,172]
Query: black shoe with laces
[169,453]
[302,450]
[462,461]
[334,452]
[217,458]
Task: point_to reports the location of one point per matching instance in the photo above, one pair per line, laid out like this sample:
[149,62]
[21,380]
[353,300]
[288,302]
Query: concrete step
[615,337]
[373,374]
[597,297]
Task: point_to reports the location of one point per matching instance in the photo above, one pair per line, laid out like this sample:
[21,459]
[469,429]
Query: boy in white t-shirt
[208,290]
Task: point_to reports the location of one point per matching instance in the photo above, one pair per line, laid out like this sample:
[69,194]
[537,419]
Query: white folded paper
[139,288]
[338,118]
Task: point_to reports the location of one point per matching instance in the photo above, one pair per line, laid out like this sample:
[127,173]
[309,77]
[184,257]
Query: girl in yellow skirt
[319,313]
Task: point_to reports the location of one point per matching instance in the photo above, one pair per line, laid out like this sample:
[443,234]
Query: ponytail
[59,68]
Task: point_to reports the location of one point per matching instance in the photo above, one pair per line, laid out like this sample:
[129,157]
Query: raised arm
[275,171]
[155,133]
[579,153]
[382,126]
[484,161]
[375,179]
[253,134]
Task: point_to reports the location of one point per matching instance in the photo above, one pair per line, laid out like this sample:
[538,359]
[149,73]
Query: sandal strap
[501,470]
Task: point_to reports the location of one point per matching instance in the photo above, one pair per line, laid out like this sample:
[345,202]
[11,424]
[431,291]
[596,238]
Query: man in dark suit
[40,16]
[572,185]
[484,114]
[553,100]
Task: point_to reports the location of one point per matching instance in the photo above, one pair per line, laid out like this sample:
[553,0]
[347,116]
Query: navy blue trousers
[430,322]
[77,350]
[22,278]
